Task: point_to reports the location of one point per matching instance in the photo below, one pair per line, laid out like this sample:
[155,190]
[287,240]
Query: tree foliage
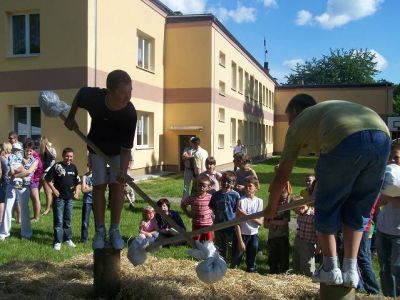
[339,67]
[396,99]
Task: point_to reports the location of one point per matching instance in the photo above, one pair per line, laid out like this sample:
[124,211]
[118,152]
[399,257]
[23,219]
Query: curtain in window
[18,27]
[34,33]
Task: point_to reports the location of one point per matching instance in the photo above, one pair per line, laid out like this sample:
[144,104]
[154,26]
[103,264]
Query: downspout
[95,43]
[213,92]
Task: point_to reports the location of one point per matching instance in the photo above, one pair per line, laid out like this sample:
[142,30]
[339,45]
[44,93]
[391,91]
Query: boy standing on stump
[353,145]
[112,129]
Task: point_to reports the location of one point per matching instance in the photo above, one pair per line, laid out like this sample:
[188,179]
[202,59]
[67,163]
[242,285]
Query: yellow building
[378,97]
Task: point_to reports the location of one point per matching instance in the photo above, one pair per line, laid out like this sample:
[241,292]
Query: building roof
[180,18]
[319,86]
[163,7]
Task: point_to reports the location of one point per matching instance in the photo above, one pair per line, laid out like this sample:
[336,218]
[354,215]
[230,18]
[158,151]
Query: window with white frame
[26,122]
[251,87]
[222,58]
[255,90]
[25,34]
[246,133]
[240,74]
[260,93]
[146,52]
[233,132]
[221,114]
[221,141]
[246,85]
[240,130]
[222,88]
[234,76]
[144,129]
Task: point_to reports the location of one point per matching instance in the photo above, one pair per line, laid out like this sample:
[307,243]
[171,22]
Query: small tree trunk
[336,292]
[106,272]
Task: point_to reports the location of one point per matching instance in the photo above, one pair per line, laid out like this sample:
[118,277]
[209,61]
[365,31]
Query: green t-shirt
[323,126]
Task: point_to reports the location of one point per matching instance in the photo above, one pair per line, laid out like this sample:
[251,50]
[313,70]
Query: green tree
[396,99]
[340,66]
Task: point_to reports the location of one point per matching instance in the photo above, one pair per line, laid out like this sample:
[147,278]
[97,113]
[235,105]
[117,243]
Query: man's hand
[76,195]
[56,193]
[71,124]
[269,212]
[122,177]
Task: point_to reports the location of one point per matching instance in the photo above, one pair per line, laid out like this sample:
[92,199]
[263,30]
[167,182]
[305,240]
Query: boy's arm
[86,188]
[70,122]
[53,189]
[184,206]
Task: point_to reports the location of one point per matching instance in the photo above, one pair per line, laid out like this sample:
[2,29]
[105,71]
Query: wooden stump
[106,272]
[336,292]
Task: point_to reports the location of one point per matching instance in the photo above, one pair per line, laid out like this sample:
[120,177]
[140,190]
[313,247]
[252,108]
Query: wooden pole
[336,292]
[106,272]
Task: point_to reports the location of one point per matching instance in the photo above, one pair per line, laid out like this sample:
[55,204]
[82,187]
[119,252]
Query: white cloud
[291,63]
[340,12]
[241,14]
[381,62]
[304,17]
[269,3]
[186,6]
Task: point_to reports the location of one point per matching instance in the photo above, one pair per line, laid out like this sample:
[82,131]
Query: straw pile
[157,279]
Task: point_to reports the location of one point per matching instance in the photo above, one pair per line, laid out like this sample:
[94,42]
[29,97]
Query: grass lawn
[40,248]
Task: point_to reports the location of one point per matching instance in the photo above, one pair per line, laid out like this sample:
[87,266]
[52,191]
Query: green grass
[40,248]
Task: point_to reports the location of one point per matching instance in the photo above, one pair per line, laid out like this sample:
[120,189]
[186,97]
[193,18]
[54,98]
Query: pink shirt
[149,226]
[39,170]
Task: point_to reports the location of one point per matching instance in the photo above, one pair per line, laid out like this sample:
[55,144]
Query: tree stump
[336,292]
[106,272]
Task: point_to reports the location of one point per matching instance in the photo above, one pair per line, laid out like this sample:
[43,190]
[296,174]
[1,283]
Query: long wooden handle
[138,190]
[227,224]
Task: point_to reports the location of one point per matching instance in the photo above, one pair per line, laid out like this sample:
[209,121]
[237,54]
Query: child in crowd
[388,233]
[309,180]
[213,175]
[243,161]
[129,194]
[278,235]
[304,247]
[87,206]
[223,203]
[200,213]
[148,226]
[64,182]
[246,239]
[165,229]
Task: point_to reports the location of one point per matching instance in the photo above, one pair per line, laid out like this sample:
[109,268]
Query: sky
[298,30]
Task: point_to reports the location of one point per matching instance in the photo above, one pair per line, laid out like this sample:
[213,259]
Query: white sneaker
[333,277]
[2,237]
[350,278]
[116,240]
[70,243]
[57,246]
[99,239]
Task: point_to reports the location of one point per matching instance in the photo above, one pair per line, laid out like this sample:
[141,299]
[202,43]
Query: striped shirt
[306,229]
[200,211]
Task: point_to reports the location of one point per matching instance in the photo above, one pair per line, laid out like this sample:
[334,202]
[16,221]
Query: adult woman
[20,192]
[48,156]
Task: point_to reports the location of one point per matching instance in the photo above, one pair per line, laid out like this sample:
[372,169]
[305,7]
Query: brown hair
[252,180]
[116,77]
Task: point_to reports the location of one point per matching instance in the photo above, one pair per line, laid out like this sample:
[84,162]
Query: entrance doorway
[184,141]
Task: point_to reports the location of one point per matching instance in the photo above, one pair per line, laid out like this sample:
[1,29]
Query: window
[240,80]
[263,96]
[240,130]
[251,87]
[144,130]
[246,86]
[256,90]
[246,133]
[222,88]
[234,76]
[233,132]
[221,141]
[221,58]
[26,122]
[145,51]
[269,99]
[25,34]
[221,114]
[272,100]
[260,93]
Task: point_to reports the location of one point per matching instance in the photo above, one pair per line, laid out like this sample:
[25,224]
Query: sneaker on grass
[99,239]
[57,246]
[116,240]
[350,278]
[333,277]
[70,243]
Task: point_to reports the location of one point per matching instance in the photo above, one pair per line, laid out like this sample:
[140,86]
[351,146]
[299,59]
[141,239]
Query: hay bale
[157,279]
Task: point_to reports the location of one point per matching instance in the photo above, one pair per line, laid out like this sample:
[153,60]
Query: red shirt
[306,229]
[200,211]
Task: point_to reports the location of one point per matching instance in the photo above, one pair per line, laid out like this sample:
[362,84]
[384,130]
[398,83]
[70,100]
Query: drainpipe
[213,92]
[95,43]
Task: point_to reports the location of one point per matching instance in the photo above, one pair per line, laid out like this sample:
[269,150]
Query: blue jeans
[349,180]
[251,242]
[62,216]
[388,249]
[368,281]
[86,209]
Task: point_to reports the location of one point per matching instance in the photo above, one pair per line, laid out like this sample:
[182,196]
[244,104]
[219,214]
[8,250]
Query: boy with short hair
[246,239]
[63,179]
[200,212]
[223,203]
[304,244]
[112,130]
[309,183]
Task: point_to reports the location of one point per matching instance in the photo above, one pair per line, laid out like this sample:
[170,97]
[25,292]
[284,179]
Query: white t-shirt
[250,206]
[200,156]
